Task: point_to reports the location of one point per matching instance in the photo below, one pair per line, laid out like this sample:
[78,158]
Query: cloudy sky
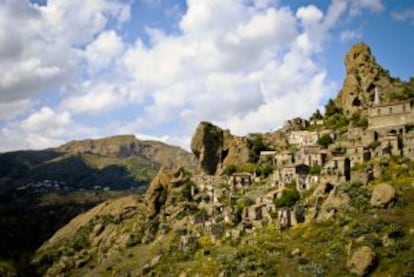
[75,69]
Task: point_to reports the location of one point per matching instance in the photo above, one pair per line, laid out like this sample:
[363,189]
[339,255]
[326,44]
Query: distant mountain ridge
[117,162]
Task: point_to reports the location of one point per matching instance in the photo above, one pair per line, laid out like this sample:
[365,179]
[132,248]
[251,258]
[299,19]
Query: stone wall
[386,116]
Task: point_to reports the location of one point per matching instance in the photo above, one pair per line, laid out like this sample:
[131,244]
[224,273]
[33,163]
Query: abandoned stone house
[361,136]
[290,174]
[205,181]
[339,167]
[395,116]
[302,138]
[240,180]
[391,145]
[283,158]
[408,145]
[311,155]
[358,154]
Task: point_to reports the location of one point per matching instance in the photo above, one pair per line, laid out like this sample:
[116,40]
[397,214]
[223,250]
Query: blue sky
[74,69]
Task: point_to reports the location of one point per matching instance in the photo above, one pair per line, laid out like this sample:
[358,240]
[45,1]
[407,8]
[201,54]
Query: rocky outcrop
[382,195]
[363,75]
[157,193]
[215,148]
[334,203]
[207,146]
[361,261]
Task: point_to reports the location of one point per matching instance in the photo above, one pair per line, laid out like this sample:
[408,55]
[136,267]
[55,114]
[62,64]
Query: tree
[255,146]
[288,199]
[331,108]
[316,115]
[325,140]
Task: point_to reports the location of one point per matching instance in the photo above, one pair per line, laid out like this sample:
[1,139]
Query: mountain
[328,196]
[118,162]
[41,191]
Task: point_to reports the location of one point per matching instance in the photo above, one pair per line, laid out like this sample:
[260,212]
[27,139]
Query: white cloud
[246,65]
[405,15]
[373,5]
[349,35]
[309,14]
[101,52]
[97,98]
[10,110]
[42,50]
[47,121]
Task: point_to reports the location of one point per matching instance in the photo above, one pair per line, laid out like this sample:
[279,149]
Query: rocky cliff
[363,76]
[216,148]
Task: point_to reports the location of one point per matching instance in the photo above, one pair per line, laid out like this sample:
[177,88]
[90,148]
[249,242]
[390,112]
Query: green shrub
[315,170]
[256,145]
[230,169]
[288,199]
[325,140]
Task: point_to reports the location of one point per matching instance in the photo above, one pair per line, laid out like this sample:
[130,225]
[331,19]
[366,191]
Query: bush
[288,199]
[359,120]
[230,169]
[255,146]
[337,121]
[315,170]
[325,140]
[331,108]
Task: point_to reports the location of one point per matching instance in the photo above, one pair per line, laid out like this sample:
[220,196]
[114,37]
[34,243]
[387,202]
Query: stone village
[390,132]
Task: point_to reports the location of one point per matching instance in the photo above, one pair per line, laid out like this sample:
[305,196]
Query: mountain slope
[40,191]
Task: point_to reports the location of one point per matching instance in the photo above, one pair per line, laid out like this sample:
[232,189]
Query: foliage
[256,145]
[373,145]
[315,170]
[242,203]
[230,169]
[359,120]
[186,190]
[249,167]
[336,121]
[265,170]
[288,199]
[331,108]
[325,140]
[316,115]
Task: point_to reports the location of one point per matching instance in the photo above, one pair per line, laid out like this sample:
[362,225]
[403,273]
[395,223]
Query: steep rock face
[207,146]
[215,147]
[363,75]
[156,193]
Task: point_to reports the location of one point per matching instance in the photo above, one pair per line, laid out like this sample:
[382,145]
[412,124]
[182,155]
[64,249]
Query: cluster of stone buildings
[303,165]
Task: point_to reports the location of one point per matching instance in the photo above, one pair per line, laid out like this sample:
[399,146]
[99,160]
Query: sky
[75,69]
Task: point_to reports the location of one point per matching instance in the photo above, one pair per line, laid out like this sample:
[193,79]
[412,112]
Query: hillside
[41,191]
[332,195]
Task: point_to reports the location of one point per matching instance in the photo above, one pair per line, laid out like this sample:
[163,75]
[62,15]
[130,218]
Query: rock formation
[215,148]
[363,75]
[156,194]
[382,195]
[361,261]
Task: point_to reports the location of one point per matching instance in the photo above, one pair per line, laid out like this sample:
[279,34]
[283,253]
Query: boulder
[334,202]
[361,261]
[382,195]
